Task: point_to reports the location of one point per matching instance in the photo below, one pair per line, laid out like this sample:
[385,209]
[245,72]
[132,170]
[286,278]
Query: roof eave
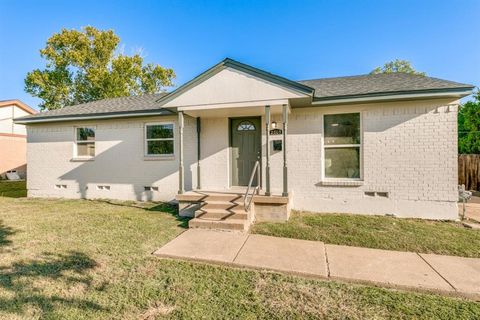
[398,95]
[101,116]
[269,76]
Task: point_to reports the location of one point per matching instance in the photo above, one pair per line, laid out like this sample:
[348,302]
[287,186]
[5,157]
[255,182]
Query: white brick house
[372,144]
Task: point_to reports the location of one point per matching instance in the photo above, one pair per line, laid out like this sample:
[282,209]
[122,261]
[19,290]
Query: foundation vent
[376,194]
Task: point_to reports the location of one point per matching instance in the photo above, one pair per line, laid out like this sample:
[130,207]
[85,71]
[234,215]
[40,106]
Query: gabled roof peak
[19,104]
[242,67]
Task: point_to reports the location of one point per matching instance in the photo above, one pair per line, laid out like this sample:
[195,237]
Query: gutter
[401,95]
[109,115]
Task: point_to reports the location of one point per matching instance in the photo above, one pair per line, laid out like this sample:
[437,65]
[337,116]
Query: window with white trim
[159,139]
[342,146]
[85,142]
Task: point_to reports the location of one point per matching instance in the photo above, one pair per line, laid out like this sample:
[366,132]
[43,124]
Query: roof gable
[19,104]
[231,81]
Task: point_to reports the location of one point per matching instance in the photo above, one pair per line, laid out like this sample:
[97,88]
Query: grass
[13,189]
[79,259]
[379,232]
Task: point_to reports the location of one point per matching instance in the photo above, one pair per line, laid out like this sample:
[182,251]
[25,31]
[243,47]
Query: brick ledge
[341,183]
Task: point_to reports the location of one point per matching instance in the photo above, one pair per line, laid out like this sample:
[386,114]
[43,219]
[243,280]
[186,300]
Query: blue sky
[295,39]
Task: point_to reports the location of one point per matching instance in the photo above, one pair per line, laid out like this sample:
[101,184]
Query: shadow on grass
[24,282]
[171,209]
[13,189]
[5,232]
[163,207]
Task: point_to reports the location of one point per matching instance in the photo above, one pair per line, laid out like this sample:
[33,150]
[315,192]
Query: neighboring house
[370,144]
[13,142]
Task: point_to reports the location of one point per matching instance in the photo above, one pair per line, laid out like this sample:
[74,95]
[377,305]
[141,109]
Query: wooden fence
[469,171]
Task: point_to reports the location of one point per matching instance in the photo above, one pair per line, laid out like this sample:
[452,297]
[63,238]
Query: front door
[246,148]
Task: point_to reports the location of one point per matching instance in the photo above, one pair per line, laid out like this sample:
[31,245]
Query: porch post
[285,170]
[198,152]
[181,185]
[267,150]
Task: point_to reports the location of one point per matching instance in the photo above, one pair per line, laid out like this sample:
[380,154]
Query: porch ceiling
[234,110]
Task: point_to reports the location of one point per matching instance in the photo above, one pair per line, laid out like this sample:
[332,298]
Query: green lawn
[13,189]
[79,259]
[379,232]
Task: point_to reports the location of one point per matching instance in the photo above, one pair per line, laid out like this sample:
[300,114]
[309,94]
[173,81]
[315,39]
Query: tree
[401,66]
[469,126]
[85,65]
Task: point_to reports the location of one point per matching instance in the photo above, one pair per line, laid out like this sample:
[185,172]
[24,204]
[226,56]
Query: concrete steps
[227,225]
[210,196]
[223,205]
[220,211]
[221,214]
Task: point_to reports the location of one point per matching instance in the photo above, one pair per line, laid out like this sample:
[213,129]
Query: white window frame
[76,142]
[324,146]
[145,140]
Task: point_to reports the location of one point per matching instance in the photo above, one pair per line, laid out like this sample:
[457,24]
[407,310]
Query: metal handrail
[256,170]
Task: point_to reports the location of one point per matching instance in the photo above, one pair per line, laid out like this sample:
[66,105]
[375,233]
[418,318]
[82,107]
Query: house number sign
[275,132]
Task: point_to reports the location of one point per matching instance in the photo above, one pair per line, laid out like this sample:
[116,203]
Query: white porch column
[285,170]
[198,152]
[181,185]
[267,150]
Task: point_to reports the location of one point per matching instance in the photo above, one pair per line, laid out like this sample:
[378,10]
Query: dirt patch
[157,309]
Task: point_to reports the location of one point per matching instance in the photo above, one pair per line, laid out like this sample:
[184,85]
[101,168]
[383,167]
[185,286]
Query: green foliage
[84,66]
[397,65]
[469,126]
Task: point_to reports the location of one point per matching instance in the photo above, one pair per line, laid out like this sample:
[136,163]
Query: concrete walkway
[472,211]
[408,270]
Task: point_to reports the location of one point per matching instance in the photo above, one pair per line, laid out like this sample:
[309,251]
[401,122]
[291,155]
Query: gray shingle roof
[143,103]
[372,84]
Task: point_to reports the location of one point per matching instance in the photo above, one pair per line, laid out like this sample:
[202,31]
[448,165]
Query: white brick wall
[215,153]
[119,161]
[409,151]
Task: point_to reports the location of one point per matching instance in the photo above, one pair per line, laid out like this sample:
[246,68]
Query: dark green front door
[246,148]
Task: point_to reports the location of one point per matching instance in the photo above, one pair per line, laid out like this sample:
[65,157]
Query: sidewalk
[473,210]
[408,270]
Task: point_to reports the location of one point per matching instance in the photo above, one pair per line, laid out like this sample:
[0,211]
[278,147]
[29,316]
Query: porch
[234,145]
[237,109]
